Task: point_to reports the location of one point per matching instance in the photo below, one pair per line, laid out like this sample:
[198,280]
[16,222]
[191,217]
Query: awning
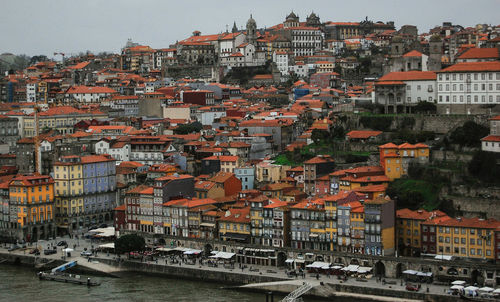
[164,249]
[410,272]
[192,252]
[207,224]
[486,289]
[457,287]
[364,269]
[103,232]
[313,235]
[110,245]
[289,261]
[422,274]
[471,288]
[496,291]
[351,268]
[299,261]
[443,257]
[458,282]
[223,255]
[317,264]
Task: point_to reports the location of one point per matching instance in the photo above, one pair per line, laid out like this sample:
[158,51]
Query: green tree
[425,107]
[484,166]
[319,136]
[188,128]
[129,243]
[469,134]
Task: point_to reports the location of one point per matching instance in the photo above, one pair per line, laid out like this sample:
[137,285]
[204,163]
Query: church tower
[251,31]
[435,53]
[235,28]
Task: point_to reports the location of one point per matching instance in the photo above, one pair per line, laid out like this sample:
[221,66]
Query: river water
[19,284]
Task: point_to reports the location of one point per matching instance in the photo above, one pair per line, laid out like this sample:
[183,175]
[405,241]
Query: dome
[251,22]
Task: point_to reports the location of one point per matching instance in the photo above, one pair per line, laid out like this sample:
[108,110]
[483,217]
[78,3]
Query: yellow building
[32,197]
[408,226]
[235,225]
[61,119]
[358,229]
[331,202]
[467,237]
[267,172]
[396,159]
[68,178]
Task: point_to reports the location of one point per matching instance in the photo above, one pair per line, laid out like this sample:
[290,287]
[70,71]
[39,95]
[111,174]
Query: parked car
[86,253]
[62,243]
[49,252]
[413,287]
[35,251]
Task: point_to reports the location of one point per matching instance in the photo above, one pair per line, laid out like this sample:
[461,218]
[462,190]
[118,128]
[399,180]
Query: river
[21,284]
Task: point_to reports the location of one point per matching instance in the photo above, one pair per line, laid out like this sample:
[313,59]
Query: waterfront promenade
[108,264]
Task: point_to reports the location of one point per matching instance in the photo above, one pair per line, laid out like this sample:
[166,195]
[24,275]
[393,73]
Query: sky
[36,27]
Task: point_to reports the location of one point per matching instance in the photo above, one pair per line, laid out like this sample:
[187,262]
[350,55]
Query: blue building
[247,177]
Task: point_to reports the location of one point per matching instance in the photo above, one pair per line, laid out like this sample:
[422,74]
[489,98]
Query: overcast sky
[46,26]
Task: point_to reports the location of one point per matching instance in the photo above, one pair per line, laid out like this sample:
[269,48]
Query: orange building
[32,198]
[396,159]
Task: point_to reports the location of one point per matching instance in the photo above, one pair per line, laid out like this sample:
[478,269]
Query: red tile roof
[89,89]
[418,214]
[480,53]
[408,76]
[363,134]
[471,223]
[473,67]
[388,146]
[413,53]
[319,159]
[491,138]
[237,215]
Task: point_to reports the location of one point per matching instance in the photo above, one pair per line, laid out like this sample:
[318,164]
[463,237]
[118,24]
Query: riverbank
[260,279]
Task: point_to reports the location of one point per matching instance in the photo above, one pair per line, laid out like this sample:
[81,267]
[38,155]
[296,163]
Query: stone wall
[192,272]
[438,123]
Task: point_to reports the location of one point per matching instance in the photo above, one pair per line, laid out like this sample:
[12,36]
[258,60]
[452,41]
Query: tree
[188,128]
[469,134]
[129,243]
[425,107]
[318,136]
[484,166]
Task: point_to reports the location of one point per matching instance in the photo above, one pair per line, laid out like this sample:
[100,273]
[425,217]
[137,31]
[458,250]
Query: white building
[305,40]
[300,69]
[31,92]
[464,87]
[399,91]
[119,150]
[281,59]
[88,94]
[491,143]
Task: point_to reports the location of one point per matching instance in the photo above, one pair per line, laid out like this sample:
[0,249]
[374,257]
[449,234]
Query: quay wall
[191,272]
